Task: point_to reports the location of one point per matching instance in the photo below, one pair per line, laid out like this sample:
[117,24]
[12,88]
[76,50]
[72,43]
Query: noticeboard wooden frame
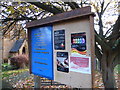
[81,13]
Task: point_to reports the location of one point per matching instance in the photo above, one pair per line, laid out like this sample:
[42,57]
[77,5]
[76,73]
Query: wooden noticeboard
[73,47]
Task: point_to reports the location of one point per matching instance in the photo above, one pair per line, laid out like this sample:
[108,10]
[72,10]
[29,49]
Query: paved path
[8,82]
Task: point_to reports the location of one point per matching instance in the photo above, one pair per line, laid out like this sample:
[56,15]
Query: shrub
[20,61]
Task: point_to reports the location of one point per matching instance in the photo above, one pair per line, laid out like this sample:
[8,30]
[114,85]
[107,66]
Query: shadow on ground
[6,85]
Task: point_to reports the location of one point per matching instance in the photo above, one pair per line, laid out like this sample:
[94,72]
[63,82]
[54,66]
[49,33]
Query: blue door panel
[42,52]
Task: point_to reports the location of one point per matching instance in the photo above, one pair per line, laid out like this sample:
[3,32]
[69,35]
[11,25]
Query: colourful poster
[78,44]
[80,64]
[62,62]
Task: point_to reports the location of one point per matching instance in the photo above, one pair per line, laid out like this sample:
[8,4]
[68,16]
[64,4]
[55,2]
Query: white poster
[80,64]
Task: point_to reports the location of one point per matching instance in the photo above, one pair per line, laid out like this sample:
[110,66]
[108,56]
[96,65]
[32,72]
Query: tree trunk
[108,78]
[108,72]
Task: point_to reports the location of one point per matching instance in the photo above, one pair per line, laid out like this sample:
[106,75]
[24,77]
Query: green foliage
[117,69]
[6,66]
[11,9]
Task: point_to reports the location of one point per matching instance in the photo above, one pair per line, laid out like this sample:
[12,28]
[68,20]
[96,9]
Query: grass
[5,64]
[9,73]
[9,70]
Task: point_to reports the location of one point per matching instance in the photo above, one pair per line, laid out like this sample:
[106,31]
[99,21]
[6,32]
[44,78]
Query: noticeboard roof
[85,11]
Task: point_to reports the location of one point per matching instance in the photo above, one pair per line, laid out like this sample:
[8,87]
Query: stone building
[14,42]
[19,47]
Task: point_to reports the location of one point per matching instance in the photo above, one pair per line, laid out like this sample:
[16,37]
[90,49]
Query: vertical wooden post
[92,49]
[37,82]
[1,60]
[51,82]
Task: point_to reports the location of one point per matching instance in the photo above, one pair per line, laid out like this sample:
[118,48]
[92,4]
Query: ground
[22,79]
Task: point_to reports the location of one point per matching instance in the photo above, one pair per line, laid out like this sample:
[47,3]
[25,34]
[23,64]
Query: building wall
[21,49]
[7,45]
[26,48]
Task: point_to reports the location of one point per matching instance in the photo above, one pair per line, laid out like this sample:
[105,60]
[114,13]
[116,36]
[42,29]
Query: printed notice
[78,44]
[80,64]
[59,40]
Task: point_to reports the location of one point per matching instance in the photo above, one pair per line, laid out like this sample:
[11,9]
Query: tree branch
[98,52]
[116,61]
[106,6]
[48,8]
[108,31]
[100,23]
[102,42]
[17,19]
[115,30]
[73,5]
[116,46]
[7,29]
[102,6]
